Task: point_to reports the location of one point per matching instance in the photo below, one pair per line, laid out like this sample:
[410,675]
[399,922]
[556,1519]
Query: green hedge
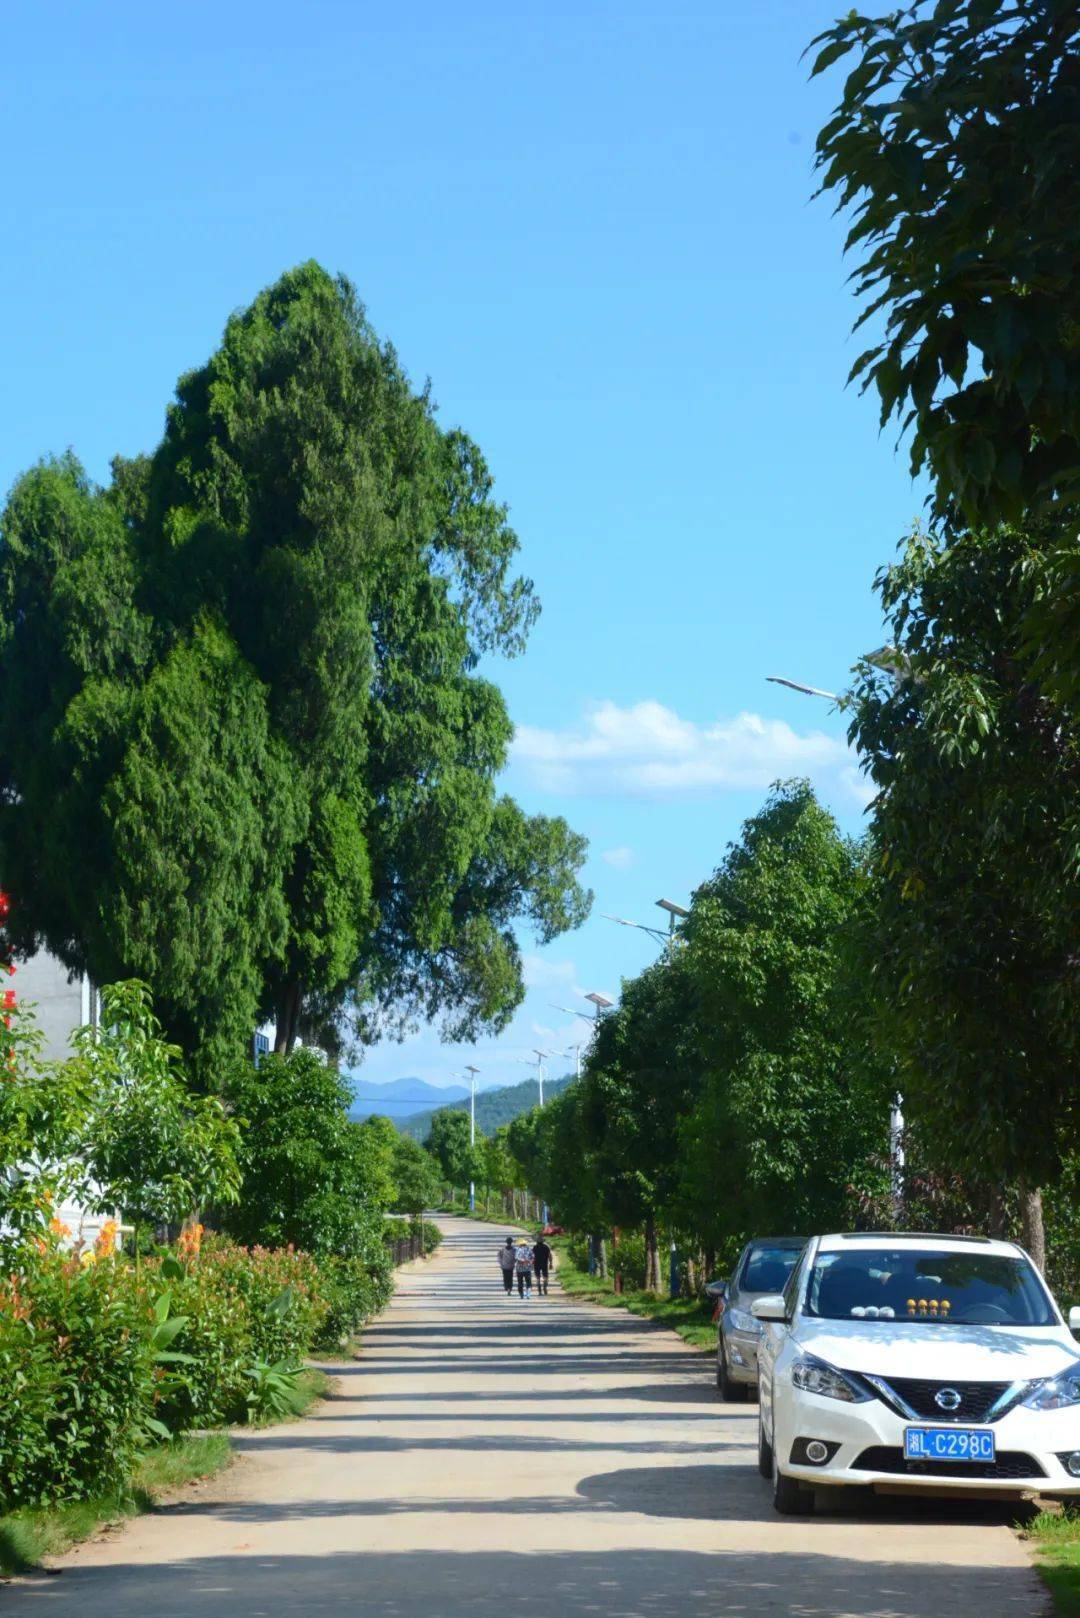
[97,1359]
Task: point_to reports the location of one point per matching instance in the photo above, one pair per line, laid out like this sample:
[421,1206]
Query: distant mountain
[401,1098]
[493,1107]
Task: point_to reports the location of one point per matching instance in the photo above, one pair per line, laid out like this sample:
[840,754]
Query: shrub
[241,1306]
[76,1369]
[355,1289]
[627,1258]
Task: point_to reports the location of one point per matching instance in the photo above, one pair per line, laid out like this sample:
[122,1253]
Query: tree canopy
[245,750]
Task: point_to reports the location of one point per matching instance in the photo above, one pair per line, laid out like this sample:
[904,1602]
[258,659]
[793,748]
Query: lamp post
[597,1259]
[893,663]
[472,1072]
[540,1055]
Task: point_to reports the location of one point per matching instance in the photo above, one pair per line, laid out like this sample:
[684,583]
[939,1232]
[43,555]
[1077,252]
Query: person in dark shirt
[541,1264]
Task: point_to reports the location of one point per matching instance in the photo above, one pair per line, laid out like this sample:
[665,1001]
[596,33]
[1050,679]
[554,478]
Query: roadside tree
[312,1176]
[973,950]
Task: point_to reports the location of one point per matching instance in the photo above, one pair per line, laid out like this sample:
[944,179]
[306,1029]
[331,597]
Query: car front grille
[977,1399]
[1009,1464]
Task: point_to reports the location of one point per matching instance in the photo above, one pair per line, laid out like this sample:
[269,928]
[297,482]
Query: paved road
[487,1458]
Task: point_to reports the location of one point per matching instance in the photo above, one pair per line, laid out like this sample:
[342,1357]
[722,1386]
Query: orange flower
[189,1241]
[59,1229]
[105,1245]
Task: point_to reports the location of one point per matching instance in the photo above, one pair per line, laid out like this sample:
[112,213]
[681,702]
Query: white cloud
[540,973]
[621,858]
[648,750]
[860,786]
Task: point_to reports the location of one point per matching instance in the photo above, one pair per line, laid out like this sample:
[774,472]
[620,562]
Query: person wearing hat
[507,1264]
[524,1267]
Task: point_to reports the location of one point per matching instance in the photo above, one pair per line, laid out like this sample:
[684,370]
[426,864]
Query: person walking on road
[541,1264]
[524,1265]
[507,1264]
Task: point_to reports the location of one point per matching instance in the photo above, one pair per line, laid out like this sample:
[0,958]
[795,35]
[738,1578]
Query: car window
[791,1291]
[919,1285]
[767,1268]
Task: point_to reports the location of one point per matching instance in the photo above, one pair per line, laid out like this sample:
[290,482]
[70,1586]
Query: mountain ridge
[495,1107]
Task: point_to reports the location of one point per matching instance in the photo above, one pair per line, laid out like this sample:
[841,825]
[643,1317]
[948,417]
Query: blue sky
[591,227]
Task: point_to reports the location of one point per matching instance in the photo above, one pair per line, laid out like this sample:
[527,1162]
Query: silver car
[763,1268]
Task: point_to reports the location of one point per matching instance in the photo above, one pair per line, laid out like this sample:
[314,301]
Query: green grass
[1056,1541]
[690,1317]
[28,1535]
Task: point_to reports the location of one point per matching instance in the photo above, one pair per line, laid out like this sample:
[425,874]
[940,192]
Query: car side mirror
[1074,1319]
[771,1307]
[716,1289]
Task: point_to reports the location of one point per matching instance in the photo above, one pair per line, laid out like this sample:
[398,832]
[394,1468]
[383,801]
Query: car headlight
[815,1376]
[741,1321]
[1057,1392]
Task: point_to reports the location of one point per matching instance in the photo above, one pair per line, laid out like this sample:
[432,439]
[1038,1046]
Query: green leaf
[832,53]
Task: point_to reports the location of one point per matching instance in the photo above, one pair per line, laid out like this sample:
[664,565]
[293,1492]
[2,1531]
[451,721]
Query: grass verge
[690,1317]
[28,1535]
[1056,1541]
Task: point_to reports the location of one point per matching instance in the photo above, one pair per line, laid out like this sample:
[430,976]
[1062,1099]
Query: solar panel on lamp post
[665,935]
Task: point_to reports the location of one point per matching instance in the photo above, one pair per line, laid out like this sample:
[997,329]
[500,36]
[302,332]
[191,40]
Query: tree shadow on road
[602,1583]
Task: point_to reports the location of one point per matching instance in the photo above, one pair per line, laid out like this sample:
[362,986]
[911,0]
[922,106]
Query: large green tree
[245,749]
[977,822]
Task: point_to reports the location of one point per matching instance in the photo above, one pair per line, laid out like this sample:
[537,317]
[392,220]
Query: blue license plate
[948,1444]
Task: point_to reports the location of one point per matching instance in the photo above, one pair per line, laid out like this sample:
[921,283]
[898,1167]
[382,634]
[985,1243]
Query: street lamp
[807,690]
[472,1072]
[666,935]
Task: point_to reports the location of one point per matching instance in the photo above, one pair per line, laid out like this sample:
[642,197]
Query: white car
[918,1362]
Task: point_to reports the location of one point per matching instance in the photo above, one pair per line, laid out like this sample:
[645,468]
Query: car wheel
[764,1449]
[790,1498]
[728,1391]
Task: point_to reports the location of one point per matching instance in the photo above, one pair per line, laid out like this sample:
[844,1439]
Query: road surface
[492,1458]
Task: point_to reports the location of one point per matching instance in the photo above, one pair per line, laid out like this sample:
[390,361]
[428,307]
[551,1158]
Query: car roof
[931,1241]
[777,1241]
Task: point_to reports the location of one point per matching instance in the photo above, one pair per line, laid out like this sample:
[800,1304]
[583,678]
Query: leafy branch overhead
[956,149]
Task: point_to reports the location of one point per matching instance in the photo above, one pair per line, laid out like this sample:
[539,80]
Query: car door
[774,1334]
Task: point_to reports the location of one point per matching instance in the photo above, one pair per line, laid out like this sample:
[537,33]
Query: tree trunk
[652,1256]
[997,1213]
[601,1258]
[288,1019]
[1031,1220]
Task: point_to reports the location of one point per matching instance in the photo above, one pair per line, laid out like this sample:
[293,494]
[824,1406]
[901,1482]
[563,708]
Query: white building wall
[61,1004]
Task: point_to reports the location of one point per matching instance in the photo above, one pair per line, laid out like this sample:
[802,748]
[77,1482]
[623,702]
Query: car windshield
[767,1268]
[946,1289]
